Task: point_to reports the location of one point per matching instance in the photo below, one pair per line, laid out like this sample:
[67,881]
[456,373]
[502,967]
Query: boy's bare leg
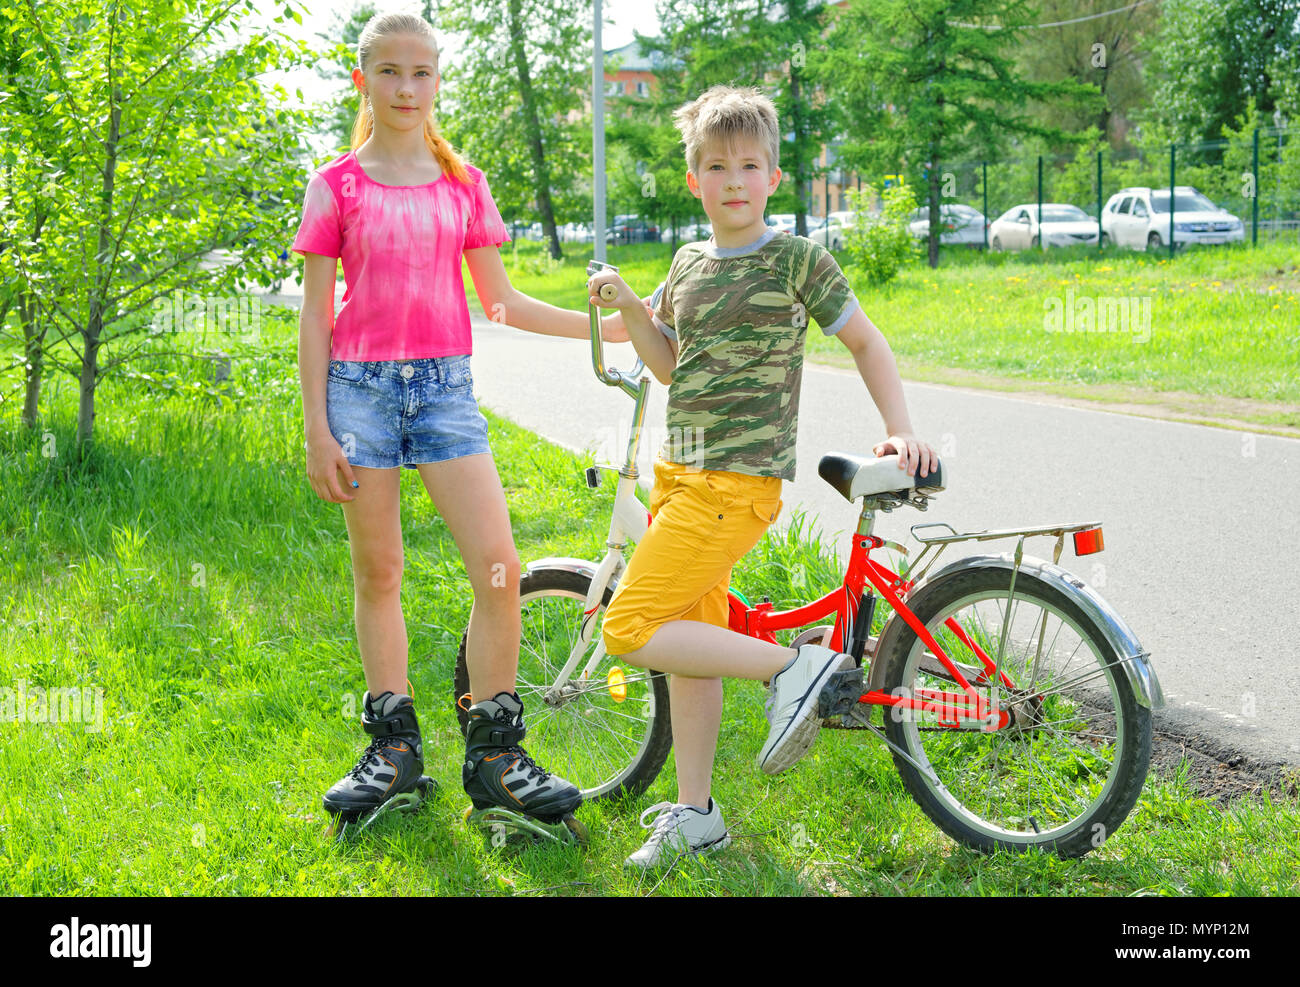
[696,706]
[467,493]
[375,540]
[690,647]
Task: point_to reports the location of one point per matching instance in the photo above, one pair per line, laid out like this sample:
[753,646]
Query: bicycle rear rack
[954,536]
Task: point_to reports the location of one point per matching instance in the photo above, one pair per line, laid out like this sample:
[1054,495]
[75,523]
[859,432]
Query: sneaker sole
[802,729]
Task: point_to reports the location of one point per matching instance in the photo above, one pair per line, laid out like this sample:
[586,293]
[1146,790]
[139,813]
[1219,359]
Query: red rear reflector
[1088,542]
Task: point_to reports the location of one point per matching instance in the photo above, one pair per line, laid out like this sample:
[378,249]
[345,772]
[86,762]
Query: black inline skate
[513,798]
[390,776]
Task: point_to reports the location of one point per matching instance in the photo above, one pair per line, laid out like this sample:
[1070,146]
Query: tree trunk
[936,226]
[34,354]
[533,128]
[93,332]
[800,153]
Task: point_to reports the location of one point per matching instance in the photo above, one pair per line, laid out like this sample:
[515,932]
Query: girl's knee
[378,578]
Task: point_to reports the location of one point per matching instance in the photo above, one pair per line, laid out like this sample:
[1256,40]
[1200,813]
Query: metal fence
[1255,178]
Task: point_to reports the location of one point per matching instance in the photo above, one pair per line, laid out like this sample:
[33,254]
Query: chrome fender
[1135,660]
[583,567]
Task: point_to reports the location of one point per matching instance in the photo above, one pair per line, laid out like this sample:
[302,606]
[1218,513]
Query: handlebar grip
[608,292]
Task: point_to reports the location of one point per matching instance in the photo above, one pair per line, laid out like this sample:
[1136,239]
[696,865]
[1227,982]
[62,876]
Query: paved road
[1201,524]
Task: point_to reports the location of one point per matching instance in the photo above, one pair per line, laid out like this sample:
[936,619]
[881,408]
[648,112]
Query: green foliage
[921,86]
[145,146]
[879,249]
[1214,59]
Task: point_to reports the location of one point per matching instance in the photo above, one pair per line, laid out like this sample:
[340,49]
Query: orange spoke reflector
[1088,542]
[617,684]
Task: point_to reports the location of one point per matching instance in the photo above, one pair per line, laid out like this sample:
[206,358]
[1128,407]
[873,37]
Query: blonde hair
[725,113]
[386,25]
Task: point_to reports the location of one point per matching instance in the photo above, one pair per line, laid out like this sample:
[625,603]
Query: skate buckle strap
[401,720]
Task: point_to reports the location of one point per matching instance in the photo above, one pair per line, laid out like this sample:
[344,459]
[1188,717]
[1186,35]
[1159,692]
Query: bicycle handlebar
[614,378]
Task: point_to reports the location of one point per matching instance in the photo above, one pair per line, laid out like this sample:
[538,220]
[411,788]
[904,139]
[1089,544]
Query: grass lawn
[187,572]
[1216,334]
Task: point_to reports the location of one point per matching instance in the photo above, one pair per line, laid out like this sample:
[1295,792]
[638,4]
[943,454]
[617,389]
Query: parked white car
[828,232]
[784,221]
[962,225]
[1062,226]
[1139,217]
[687,234]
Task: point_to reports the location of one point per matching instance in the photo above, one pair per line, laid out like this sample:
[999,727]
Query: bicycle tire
[608,747]
[1088,777]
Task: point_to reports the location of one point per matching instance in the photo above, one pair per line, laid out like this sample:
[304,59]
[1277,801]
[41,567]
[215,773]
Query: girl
[387,385]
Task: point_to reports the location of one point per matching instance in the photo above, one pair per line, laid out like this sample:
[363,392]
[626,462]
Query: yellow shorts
[704,522]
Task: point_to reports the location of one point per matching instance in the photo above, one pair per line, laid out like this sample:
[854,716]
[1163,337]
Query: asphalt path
[1201,524]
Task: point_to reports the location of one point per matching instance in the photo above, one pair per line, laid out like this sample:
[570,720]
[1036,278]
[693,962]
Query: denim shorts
[390,413]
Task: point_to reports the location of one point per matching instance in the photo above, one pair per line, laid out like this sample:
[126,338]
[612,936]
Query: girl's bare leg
[375,540]
[467,493]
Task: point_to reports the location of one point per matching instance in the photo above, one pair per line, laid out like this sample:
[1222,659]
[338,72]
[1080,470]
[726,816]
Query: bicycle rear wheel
[610,734]
[1067,771]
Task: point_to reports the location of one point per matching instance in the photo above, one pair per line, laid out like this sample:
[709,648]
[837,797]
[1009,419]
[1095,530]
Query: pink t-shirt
[401,248]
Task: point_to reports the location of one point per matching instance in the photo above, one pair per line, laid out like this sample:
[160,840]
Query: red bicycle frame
[967,709]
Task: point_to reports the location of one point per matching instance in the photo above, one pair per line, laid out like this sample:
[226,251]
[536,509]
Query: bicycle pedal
[840,694]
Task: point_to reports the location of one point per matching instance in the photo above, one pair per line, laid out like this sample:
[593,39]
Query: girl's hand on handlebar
[912,453]
[325,461]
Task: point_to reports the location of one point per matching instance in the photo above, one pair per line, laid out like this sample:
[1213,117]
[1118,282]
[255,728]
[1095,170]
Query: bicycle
[1003,734]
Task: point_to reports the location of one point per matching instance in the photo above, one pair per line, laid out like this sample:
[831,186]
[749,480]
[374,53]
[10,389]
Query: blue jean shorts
[390,413]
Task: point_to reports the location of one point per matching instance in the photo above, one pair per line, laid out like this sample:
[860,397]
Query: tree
[776,46]
[1214,59]
[924,82]
[1103,50]
[517,91]
[156,146]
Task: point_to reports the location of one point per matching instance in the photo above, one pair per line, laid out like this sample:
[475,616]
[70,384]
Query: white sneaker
[792,706]
[679,829]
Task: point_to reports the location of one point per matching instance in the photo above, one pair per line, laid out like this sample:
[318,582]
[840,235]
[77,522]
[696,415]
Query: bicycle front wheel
[608,733]
[1068,769]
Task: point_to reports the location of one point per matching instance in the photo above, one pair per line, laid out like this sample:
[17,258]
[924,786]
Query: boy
[727,335]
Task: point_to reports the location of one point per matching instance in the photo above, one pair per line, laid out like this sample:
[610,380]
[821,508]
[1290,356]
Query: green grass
[187,570]
[1222,320]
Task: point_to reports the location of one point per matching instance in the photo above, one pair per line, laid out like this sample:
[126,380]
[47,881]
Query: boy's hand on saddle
[912,453]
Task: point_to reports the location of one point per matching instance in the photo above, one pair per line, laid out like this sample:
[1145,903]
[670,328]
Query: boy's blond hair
[727,114]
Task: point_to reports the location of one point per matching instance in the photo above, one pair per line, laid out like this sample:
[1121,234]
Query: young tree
[924,82]
[157,146]
[517,89]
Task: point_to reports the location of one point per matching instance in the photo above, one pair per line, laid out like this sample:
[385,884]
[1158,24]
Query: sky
[621,18]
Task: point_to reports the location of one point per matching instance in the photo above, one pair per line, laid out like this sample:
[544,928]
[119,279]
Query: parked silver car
[962,225]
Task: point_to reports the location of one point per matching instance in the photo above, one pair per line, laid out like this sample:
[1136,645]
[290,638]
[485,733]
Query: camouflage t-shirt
[739,315]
